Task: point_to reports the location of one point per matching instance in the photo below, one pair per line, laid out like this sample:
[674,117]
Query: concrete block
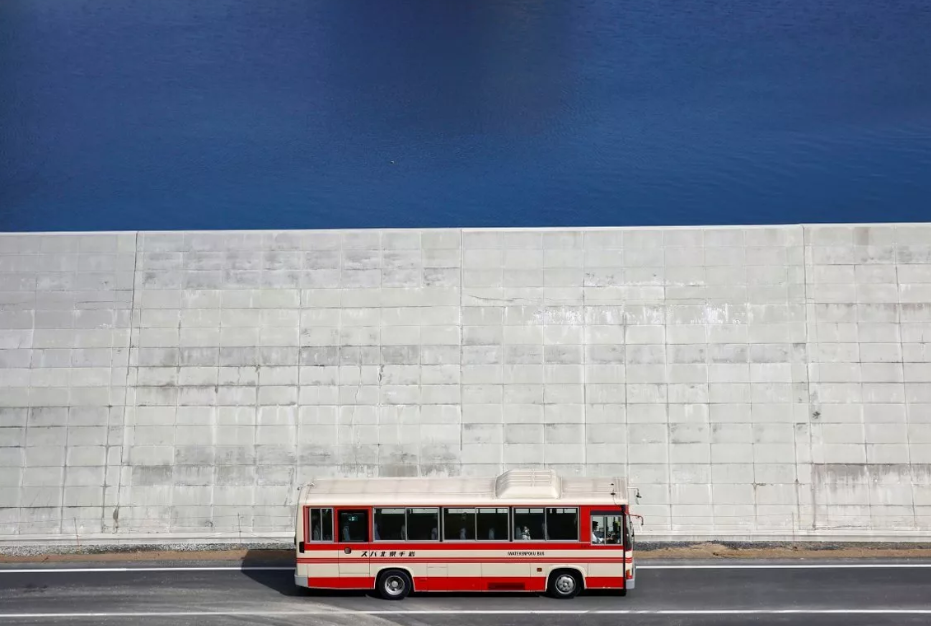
[522,374]
[645,335]
[842,453]
[690,473]
[884,453]
[882,393]
[563,433]
[84,477]
[570,394]
[528,354]
[142,455]
[564,413]
[686,494]
[482,355]
[484,394]
[647,453]
[918,393]
[594,374]
[731,473]
[878,332]
[729,393]
[647,393]
[727,453]
[647,433]
[86,456]
[520,433]
[690,453]
[731,433]
[604,394]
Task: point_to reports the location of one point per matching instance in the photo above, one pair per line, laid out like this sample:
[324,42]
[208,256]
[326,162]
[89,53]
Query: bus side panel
[507,572]
[604,582]
[464,577]
[320,569]
[428,576]
[606,572]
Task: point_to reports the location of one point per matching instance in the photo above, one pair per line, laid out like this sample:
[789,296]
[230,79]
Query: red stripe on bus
[343,582]
[604,582]
[465,583]
[477,559]
[461,545]
[477,583]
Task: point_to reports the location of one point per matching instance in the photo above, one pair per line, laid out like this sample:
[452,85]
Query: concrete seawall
[764,383]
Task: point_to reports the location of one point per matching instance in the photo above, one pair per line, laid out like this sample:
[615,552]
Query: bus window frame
[369,518]
[407,511]
[497,511]
[601,515]
[309,529]
[578,523]
[474,510]
[513,529]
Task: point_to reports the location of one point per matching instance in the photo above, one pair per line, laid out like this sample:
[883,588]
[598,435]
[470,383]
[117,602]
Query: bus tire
[564,584]
[394,584]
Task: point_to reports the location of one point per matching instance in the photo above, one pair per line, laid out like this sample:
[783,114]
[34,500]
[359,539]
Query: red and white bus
[525,530]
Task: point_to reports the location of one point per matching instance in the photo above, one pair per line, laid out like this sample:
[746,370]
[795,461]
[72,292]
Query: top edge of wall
[477,229]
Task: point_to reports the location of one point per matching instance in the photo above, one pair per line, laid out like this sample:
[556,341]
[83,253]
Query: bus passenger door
[630,566]
[606,566]
[353,538]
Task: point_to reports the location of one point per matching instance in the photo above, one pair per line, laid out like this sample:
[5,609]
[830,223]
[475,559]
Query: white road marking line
[88,570]
[314,612]
[794,566]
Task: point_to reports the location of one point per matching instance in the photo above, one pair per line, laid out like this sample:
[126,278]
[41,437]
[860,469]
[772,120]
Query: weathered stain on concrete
[754,383]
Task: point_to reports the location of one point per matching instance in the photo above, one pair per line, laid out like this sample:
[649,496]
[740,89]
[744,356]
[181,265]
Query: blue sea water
[171,114]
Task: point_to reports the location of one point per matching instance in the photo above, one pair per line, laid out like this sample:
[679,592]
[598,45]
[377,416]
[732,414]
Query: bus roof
[513,487]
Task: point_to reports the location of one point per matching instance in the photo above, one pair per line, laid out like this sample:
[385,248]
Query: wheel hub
[565,583]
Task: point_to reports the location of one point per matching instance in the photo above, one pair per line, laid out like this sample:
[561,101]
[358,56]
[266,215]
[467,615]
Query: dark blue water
[142,114]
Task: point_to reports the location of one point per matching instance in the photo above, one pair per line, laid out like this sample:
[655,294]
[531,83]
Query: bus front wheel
[564,584]
[394,584]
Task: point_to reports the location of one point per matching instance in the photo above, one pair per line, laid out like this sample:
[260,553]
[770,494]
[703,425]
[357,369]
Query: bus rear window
[321,525]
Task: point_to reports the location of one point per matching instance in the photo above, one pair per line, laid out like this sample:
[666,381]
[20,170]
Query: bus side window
[422,524]
[562,524]
[321,525]
[353,526]
[607,528]
[458,524]
[389,525]
[493,524]
[529,524]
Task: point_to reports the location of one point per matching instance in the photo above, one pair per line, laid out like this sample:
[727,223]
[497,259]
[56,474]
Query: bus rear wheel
[564,584]
[394,584]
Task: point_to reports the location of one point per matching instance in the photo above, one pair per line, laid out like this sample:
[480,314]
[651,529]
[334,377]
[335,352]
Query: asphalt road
[820,594]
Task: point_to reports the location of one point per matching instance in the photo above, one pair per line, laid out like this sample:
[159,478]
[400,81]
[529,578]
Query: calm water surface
[169,114]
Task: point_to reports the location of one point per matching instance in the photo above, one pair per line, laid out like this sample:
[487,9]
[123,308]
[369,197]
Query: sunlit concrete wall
[753,383]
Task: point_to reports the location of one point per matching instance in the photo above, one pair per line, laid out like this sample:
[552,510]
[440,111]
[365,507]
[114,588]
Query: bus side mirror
[300,547]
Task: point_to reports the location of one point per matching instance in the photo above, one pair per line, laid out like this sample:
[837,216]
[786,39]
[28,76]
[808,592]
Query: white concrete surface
[753,383]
